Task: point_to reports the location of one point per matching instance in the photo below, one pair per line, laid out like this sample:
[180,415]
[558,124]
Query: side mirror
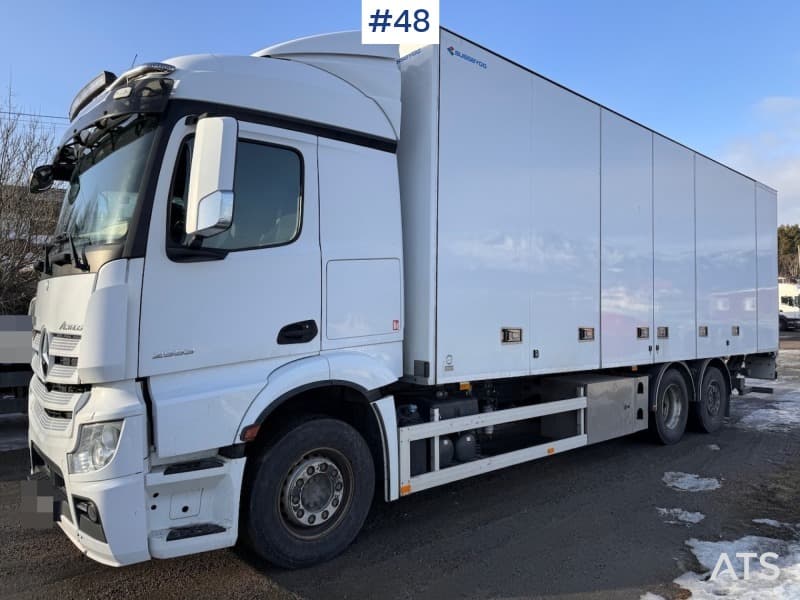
[41,179]
[209,205]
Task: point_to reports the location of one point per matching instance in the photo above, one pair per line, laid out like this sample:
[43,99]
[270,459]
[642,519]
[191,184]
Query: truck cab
[229,240]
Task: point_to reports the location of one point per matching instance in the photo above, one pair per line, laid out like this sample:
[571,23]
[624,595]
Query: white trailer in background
[289,276]
[15,358]
[788,304]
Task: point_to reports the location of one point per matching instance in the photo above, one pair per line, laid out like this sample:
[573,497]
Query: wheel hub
[671,407]
[713,398]
[312,492]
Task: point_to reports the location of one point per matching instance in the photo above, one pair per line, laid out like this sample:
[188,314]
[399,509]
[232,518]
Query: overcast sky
[720,76]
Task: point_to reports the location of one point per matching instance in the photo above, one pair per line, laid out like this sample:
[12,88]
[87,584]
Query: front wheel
[309,493]
[668,422]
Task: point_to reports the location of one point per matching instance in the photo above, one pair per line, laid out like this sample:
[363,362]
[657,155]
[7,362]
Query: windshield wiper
[79,262]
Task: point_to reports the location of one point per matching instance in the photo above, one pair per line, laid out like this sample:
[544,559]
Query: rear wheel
[709,411]
[668,422]
[309,493]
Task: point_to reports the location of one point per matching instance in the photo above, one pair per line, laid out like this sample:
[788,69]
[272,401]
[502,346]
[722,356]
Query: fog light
[91,511]
[88,508]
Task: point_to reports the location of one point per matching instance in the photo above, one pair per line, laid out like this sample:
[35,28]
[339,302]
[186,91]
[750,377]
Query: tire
[308,493]
[668,421]
[708,413]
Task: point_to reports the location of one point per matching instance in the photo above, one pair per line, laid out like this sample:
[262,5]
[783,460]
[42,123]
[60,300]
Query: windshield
[105,184]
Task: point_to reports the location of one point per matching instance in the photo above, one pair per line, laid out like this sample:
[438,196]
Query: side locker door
[673,251]
[213,330]
[626,233]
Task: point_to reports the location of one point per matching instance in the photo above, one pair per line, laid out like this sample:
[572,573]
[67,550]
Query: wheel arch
[343,387]
[658,374]
[701,366]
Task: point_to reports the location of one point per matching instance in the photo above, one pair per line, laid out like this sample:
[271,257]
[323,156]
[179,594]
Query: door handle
[298,333]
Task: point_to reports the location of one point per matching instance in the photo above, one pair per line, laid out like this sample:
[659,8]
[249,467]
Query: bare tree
[26,220]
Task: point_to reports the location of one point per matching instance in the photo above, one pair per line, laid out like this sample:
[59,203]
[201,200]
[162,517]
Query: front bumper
[142,511]
[117,491]
[120,506]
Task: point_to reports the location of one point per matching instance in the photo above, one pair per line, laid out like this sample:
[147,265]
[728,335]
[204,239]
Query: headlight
[97,445]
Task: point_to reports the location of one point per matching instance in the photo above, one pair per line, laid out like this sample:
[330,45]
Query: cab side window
[268,196]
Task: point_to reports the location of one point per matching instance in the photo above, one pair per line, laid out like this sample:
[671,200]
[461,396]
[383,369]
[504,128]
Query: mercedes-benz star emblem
[44,352]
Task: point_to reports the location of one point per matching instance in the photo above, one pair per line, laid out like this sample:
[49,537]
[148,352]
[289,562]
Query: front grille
[50,394]
[62,371]
[64,350]
[48,422]
[64,344]
[52,405]
[58,414]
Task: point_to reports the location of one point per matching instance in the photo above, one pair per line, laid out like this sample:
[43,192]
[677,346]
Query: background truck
[284,280]
[15,361]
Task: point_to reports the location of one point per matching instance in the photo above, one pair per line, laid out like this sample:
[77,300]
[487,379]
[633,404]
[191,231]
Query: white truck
[282,283]
[788,304]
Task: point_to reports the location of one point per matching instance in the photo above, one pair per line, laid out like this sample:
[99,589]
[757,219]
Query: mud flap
[761,366]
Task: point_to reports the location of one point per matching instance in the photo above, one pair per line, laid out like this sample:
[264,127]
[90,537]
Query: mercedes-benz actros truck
[284,283]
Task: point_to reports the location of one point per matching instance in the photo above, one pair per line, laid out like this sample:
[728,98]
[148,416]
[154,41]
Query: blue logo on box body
[467,57]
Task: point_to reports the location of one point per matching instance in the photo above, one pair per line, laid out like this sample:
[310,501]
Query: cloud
[773,154]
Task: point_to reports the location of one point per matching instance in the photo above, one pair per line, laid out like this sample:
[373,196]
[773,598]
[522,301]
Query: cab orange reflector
[405,490]
[551,450]
[465,386]
[250,433]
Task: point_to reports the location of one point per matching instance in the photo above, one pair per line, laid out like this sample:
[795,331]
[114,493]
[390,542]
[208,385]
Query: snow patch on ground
[778,525]
[770,522]
[678,516]
[783,418]
[689,482]
[781,411]
[714,447]
[759,585]
[651,596]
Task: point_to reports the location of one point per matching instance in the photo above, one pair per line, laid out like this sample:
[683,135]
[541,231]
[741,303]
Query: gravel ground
[585,524]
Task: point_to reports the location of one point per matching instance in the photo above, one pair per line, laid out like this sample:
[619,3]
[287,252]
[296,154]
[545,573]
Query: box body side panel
[726,260]
[484,215]
[673,251]
[565,250]
[626,243]
[767,248]
[417,157]
[530,212]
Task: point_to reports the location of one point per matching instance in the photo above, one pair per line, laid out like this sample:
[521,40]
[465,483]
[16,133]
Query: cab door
[219,314]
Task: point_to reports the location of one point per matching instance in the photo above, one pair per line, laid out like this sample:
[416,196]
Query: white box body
[528,207]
